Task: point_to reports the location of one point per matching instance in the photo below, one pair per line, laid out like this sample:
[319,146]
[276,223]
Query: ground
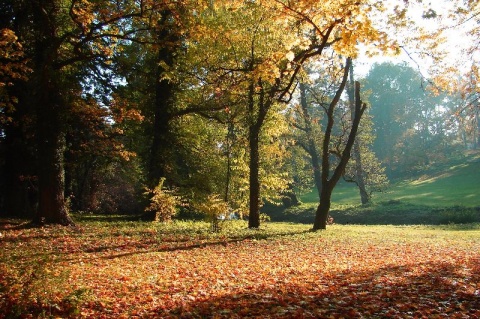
[181,270]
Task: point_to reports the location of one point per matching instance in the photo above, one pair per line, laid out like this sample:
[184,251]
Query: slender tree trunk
[229,141]
[254,166]
[255,125]
[329,182]
[356,154]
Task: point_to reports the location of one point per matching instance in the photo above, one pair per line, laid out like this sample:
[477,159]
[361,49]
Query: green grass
[447,193]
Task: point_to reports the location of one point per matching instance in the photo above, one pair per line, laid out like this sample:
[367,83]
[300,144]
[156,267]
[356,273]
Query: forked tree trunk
[329,182]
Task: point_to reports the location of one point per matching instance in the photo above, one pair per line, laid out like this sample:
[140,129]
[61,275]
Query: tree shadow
[438,291]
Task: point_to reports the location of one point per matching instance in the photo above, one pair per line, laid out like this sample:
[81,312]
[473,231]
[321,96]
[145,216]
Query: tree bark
[254,166]
[329,183]
[356,154]
[50,111]
[164,100]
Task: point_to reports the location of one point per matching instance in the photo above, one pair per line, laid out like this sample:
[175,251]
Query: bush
[163,203]
[215,209]
[459,215]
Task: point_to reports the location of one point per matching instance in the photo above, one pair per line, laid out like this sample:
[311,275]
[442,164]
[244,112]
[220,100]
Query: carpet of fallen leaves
[141,270]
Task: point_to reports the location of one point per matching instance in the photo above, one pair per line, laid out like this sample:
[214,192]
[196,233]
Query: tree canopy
[100,99]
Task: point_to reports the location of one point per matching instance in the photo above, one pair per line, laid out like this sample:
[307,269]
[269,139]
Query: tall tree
[64,41]
[16,178]
[271,61]
[325,176]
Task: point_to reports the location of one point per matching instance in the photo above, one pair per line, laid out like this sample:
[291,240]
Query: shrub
[163,202]
[215,209]
[459,215]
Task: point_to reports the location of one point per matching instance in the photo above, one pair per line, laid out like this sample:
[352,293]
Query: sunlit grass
[458,184]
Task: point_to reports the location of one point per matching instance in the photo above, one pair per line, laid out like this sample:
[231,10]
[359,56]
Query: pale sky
[457,40]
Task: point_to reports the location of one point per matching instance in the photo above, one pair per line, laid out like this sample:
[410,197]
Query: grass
[123,269]
[446,194]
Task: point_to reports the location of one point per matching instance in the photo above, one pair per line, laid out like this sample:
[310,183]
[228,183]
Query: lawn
[448,193]
[181,270]
[449,184]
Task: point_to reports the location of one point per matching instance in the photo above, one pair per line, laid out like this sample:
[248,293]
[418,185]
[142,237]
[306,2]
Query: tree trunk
[164,96]
[364,196]
[323,208]
[52,207]
[329,183]
[357,156]
[254,166]
[51,154]
[50,110]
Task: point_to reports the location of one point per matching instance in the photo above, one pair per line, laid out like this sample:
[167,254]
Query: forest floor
[120,269]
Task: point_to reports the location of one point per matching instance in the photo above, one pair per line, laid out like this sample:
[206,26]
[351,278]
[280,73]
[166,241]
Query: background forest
[191,108]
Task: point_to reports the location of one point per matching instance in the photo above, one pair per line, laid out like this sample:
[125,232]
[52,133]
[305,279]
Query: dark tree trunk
[329,182]
[51,177]
[162,139]
[164,100]
[254,166]
[256,122]
[323,208]
[356,154]
[50,111]
[51,153]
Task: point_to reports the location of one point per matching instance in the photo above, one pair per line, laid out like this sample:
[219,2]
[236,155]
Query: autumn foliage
[140,270]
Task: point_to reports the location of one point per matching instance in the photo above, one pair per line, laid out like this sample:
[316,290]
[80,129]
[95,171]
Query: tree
[64,41]
[366,171]
[269,61]
[325,177]
[408,119]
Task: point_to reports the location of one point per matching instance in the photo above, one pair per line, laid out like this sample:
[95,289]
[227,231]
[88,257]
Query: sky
[456,40]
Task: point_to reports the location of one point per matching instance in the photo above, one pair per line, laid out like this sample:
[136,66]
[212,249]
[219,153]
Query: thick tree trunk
[323,208]
[161,143]
[52,207]
[164,99]
[51,143]
[50,111]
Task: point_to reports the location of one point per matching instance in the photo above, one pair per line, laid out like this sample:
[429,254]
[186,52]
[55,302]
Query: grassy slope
[448,193]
